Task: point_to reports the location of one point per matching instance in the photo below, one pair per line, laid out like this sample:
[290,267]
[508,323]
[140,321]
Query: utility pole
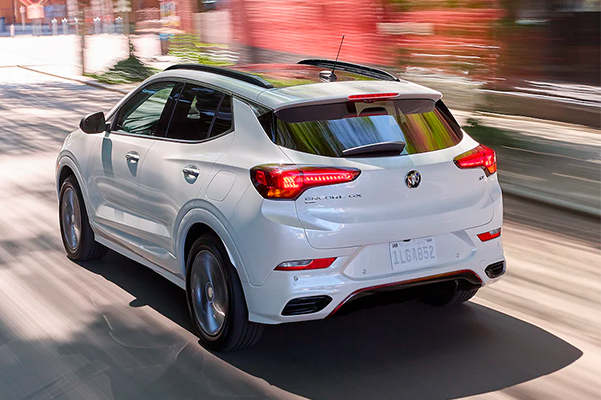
[14,12]
[82,32]
[124,8]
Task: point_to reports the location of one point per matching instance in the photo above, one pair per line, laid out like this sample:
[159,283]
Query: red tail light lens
[480,157]
[486,236]
[298,265]
[288,181]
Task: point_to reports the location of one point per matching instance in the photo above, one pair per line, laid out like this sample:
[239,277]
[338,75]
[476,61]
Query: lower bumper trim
[495,270]
[464,275]
[306,305]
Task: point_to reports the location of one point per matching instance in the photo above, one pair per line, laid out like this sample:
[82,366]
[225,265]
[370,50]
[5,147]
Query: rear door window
[200,113]
[327,130]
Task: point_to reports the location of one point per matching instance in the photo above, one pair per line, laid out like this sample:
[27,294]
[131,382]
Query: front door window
[141,115]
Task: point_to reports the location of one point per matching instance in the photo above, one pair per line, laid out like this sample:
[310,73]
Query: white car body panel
[112,183]
[166,193]
[324,93]
[378,207]
[146,211]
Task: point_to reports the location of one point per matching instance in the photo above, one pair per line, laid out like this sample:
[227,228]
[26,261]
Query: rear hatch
[399,195]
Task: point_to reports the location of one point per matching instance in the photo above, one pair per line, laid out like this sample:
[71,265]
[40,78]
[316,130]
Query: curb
[550,200]
[85,82]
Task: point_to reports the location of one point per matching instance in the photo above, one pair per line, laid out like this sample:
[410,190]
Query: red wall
[309,27]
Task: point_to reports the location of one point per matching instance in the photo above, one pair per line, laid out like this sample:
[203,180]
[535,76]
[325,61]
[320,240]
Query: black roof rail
[242,76]
[350,67]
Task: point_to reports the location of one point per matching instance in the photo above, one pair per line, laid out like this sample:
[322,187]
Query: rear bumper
[333,288]
[355,270]
[467,277]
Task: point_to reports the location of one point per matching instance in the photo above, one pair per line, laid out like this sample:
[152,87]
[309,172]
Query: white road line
[574,177]
[545,154]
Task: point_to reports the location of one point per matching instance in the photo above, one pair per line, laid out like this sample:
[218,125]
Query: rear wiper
[382,149]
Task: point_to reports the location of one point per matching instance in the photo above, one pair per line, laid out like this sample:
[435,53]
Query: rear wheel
[77,235]
[215,298]
[449,298]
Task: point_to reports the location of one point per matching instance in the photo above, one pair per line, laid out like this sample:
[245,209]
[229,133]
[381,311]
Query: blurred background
[522,77]
[501,44]
[512,71]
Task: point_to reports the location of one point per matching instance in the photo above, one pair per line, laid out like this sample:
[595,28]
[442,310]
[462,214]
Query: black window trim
[175,80]
[223,95]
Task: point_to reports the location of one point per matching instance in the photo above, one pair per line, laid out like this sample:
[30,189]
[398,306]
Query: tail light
[486,236]
[480,157]
[288,181]
[319,263]
[372,97]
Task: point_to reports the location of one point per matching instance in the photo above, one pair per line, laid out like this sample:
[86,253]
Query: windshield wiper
[382,149]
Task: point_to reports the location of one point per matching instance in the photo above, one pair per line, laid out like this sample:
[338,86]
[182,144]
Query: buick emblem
[413,179]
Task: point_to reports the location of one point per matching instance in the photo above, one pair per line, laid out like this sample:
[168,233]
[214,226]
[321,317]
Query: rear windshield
[328,130]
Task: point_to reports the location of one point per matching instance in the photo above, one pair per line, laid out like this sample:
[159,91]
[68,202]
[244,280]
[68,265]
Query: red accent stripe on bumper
[404,283]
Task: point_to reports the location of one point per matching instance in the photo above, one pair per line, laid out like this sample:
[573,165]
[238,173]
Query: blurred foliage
[129,70]
[285,82]
[286,78]
[412,5]
[190,49]
[494,138]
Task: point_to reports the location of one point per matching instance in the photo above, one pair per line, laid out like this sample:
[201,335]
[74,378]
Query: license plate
[416,253]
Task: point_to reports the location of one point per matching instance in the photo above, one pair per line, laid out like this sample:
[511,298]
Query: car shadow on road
[146,286]
[406,350]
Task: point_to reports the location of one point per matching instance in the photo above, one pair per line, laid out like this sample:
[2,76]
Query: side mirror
[93,123]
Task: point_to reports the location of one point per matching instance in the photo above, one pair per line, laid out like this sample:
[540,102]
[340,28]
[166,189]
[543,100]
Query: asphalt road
[111,329]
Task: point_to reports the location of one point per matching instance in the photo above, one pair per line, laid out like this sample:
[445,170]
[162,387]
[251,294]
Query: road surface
[111,329]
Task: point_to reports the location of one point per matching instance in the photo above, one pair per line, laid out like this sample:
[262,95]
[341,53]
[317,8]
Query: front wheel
[215,298]
[77,235]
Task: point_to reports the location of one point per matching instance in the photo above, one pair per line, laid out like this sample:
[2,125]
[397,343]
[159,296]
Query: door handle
[190,172]
[132,157]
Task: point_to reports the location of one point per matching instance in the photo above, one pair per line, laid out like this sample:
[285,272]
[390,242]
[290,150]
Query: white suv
[280,193]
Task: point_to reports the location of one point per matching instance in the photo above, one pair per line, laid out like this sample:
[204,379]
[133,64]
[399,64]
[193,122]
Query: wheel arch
[197,222]
[63,174]
[65,167]
[195,231]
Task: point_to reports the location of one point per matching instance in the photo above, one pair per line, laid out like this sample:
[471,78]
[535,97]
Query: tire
[213,284]
[451,298]
[76,233]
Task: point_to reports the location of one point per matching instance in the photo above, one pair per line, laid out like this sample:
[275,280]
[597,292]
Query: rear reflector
[479,157]
[298,265]
[372,96]
[490,235]
[288,181]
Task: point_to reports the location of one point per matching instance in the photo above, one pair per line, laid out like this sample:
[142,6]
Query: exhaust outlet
[495,270]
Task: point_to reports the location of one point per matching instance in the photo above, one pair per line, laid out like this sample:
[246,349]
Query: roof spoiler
[353,68]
